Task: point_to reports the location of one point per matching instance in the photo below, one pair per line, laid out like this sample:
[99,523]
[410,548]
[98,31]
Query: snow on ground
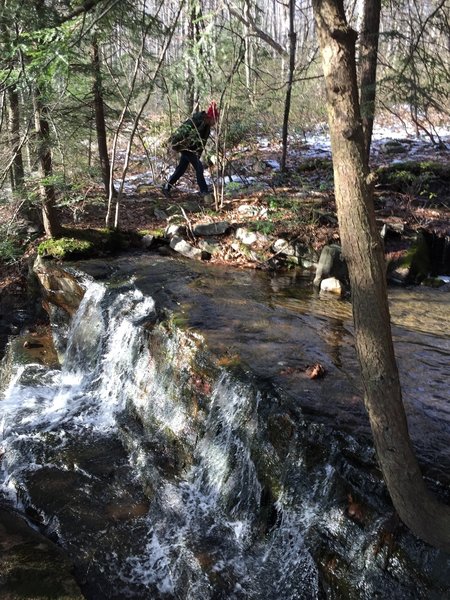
[391,142]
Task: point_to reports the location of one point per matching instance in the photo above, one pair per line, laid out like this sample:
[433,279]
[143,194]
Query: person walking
[189,140]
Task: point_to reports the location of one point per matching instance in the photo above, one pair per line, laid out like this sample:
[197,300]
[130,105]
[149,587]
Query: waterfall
[202,525]
[211,518]
[165,476]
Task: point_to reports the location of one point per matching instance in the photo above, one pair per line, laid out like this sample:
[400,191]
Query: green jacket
[191,135]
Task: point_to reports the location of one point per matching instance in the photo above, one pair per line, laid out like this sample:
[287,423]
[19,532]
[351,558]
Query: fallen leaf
[315,371]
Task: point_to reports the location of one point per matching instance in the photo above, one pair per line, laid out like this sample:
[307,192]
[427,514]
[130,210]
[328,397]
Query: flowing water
[165,475]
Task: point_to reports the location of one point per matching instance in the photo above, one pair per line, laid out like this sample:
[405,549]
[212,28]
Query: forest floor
[412,192]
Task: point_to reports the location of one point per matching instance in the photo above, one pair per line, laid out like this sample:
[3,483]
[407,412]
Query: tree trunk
[194,58]
[100,126]
[361,243]
[190,77]
[287,103]
[52,225]
[17,169]
[368,67]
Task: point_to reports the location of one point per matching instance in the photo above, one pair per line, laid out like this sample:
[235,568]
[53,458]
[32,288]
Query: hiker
[190,139]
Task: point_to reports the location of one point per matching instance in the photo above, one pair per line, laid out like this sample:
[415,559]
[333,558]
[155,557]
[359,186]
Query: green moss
[64,248]
[158,233]
[417,259]
[433,282]
[315,164]
[82,243]
[424,178]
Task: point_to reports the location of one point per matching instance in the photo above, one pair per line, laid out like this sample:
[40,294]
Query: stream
[180,450]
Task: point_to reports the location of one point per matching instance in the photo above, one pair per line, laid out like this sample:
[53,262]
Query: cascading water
[202,530]
[163,476]
[205,529]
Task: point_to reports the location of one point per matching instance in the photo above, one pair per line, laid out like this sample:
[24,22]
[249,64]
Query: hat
[213,111]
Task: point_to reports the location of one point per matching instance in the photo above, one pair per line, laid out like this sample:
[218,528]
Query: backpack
[191,135]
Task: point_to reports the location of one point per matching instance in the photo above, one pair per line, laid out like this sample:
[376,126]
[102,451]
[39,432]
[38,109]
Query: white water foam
[211,516]
[84,395]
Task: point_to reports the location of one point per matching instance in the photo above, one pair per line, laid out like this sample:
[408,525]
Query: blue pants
[187,157]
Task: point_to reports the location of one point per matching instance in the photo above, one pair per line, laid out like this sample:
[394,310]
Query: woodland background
[86,85]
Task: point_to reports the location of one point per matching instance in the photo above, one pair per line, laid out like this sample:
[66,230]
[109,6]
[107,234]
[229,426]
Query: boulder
[393,147]
[60,288]
[246,236]
[174,229]
[331,264]
[248,210]
[147,241]
[296,253]
[331,285]
[186,249]
[281,246]
[30,565]
[206,229]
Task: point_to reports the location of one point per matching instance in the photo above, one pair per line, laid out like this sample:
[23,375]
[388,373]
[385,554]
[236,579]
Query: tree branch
[249,22]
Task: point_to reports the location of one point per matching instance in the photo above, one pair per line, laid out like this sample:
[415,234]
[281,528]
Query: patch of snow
[273,164]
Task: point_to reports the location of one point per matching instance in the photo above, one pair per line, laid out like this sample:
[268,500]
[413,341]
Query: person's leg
[195,161]
[179,171]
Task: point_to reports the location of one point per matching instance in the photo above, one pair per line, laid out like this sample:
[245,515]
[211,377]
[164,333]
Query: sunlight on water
[218,522]
[71,398]
[192,521]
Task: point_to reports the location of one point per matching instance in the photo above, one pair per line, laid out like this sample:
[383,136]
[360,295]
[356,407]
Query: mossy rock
[426,179]
[417,260]
[433,282]
[315,164]
[64,248]
[87,243]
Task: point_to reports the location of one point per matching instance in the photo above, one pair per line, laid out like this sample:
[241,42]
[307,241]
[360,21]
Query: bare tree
[287,103]
[52,225]
[362,247]
[99,110]
[368,66]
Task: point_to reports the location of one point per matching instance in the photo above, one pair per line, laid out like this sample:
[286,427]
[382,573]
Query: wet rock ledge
[30,565]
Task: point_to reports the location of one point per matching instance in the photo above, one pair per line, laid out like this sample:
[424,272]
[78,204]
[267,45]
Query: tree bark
[362,248]
[17,168]
[52,225]
[50,219]
[287,103]
[17,171]
[100,126]
[368,67]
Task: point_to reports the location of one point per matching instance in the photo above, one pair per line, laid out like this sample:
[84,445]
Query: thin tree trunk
[50,219]
[190,69]
[361,243]
[287,103]
[17,169]
[248,73]
[137,119]
[52,225]
[100,126]
[368,67]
